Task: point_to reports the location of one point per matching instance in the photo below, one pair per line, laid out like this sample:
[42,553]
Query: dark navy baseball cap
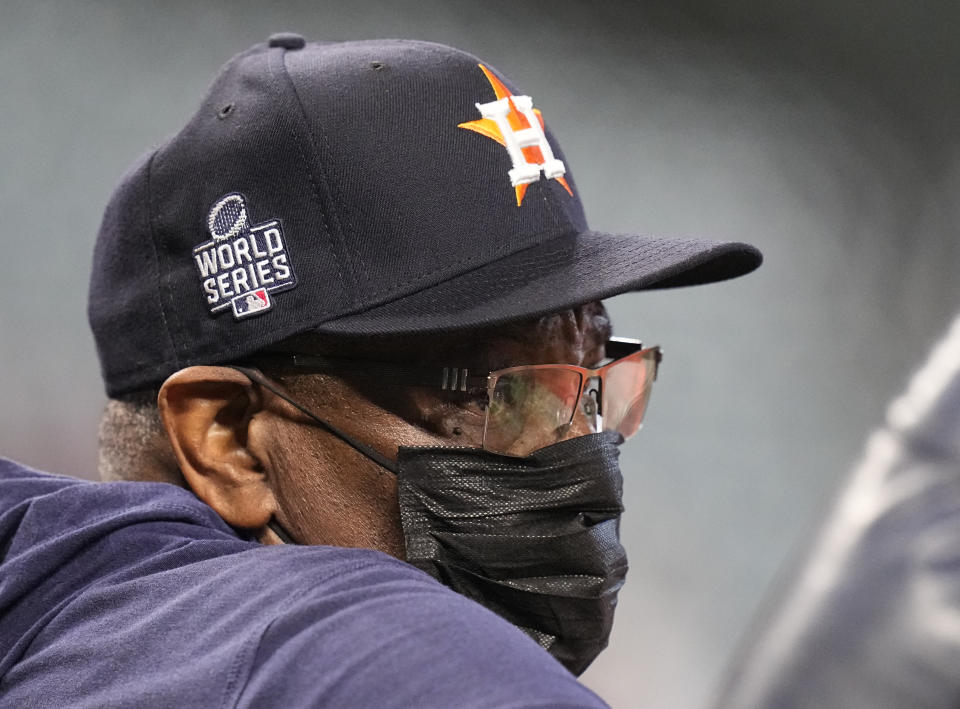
[355,188]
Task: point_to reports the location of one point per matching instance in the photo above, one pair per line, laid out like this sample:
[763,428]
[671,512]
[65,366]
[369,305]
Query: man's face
[327,492]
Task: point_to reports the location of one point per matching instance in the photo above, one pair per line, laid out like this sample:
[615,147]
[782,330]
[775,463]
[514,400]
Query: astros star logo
[513,122]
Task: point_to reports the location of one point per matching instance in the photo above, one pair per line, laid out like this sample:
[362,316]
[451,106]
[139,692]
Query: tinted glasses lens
[530,408]
[627,391]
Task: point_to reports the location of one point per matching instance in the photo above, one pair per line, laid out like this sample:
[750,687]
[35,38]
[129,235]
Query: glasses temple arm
[388,373]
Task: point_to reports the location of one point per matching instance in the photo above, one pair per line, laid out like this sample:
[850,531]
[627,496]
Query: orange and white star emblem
[513,122]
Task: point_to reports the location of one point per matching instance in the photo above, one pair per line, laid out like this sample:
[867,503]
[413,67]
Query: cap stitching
[323,214]
[549,202]
[343,212]
[306,166]
[156,259]
[341,245]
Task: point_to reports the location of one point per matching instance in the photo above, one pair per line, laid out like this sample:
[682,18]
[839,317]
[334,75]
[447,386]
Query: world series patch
[242,265]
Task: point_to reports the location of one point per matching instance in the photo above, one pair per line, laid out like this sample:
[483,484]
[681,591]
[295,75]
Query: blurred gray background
[825,132]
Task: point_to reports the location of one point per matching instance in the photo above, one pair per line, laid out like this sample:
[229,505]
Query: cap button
[287,40]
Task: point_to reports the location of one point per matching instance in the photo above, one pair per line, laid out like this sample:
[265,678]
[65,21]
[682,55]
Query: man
[351,311]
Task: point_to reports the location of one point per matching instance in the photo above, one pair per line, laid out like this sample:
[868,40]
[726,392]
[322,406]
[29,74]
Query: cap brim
[554,275]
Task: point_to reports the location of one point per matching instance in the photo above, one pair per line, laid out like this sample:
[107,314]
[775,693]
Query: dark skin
[251,456]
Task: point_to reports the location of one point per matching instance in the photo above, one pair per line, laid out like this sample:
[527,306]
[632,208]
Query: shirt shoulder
[138,594]
[387,635]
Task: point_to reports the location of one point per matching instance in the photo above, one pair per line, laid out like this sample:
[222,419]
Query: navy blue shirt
[138,594]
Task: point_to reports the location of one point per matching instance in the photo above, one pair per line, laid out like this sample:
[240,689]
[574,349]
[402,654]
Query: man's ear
[207,412]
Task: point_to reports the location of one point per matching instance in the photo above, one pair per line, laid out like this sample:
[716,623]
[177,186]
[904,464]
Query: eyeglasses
[525,407]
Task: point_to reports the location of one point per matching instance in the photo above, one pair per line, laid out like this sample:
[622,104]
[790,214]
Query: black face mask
[534,539]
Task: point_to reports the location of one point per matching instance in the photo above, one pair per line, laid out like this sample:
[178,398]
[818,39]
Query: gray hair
[134,443]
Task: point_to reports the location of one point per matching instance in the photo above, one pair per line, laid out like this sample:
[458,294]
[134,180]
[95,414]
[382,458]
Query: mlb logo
[251,303]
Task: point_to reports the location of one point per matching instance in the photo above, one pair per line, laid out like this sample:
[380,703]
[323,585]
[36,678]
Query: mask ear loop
[257,377]
[274,525]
